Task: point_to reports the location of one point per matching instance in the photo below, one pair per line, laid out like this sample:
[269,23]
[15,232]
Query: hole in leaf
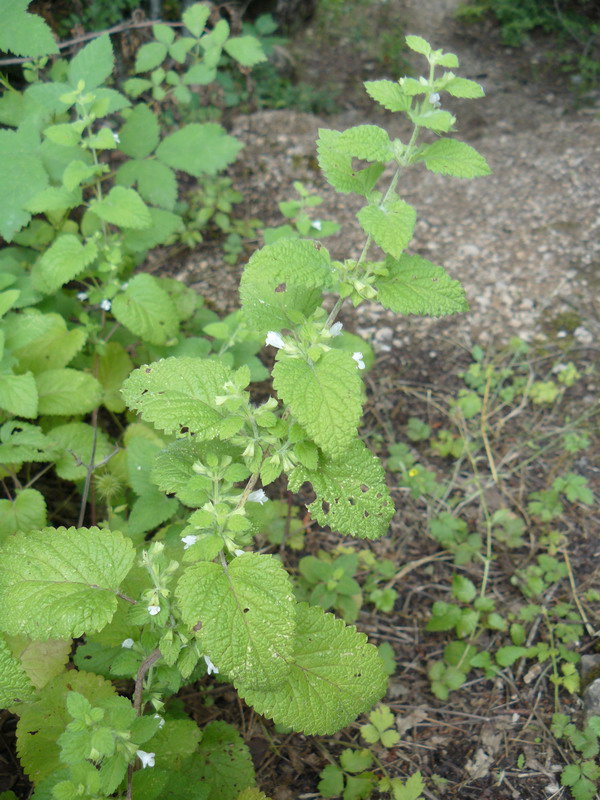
[281,288]
[365,513]
[147,370]
[184,429]
[364,487]
[351,501]
[246,610]
[325,506]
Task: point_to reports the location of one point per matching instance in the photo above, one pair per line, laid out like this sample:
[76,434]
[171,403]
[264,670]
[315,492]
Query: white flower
[317,224]
[258,497]
[358,357]
[105,305]
[161,721]
[127,644]
[434,100]
[147,759]
[274,339]
[153,610]
[210,667]
[188,541]
[82,296]
[336,329]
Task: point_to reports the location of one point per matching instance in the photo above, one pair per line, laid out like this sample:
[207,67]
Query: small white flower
[210,667]
[116,137]
[434,100]
[258,497]
[188,541]
[336,329]
[127,644]
[274,339]
[358,357]
[161,722]
[82,296]
[147,759]
[153,610]
[105,305]
[317,224]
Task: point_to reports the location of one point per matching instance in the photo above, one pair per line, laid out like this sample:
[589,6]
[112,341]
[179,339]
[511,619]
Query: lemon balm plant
[192,595]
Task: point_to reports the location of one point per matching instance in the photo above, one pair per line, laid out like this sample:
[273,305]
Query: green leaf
[338,168]
[60,583]
[416,286]
[411,789]
[67,391]
[174,743]
[18,395]
[42,661]
[140,134]
[419,45]
[462,87]
[368,142]
[23,176]
[136,86]
[164,225]
[335,676]
[122,207]
[54,198]
[63,260]
[449,157]
[41,723]
[506,656]
[199,149]
[25,512]
[150,56]
[20,441]
[93,64]
[24,34]
[356,760]
[248,634]
[246,50]
[222,763]
[287,276]
[390,225]
[163,33]
[15,686]
[463,589]
[146,309]
[42,341]
[113,365]
[200,75]
[325,398]
[332,781]
[351,494]
[178,395]
[76,442]
[436,120]
[173,471]
[195,18]
[156,182]
[388,94]
[7,300]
